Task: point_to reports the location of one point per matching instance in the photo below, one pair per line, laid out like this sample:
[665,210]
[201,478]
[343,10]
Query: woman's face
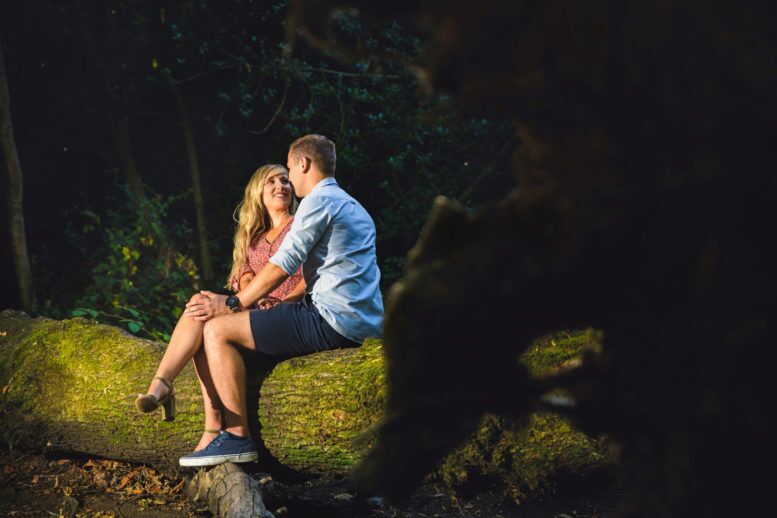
[276,193]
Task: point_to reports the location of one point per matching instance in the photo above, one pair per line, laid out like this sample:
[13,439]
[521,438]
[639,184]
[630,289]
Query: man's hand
[206,306]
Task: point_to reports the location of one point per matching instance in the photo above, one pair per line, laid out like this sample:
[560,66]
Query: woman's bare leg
[210,399]
[184,343]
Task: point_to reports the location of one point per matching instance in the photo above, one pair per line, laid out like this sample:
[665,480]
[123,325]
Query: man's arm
[269,278]
[213,304]
[310,223]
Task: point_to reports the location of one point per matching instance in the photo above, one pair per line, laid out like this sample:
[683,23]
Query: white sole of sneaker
[212,460]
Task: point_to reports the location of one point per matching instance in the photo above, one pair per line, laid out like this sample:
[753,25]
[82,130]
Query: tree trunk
[69,386]
[121,141]
[99,44]
[194,172]
[15,192]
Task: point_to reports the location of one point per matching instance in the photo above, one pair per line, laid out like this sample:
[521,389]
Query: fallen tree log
[69,386]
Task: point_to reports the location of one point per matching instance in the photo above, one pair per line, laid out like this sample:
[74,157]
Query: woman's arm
[294,295]
[214,305]
[244,280]
[297,293]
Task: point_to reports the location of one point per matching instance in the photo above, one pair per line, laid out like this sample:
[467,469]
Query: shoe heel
[168,408]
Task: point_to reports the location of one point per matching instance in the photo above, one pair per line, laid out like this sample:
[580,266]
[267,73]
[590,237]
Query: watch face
[233,302]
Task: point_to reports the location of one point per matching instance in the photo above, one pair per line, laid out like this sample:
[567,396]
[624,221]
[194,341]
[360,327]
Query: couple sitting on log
[304,283]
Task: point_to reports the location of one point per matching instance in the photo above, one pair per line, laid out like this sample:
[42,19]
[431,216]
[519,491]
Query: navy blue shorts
[294,329]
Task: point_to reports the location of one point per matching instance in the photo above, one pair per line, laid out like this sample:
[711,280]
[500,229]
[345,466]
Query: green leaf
[78,313]
[91,215]
[134,327]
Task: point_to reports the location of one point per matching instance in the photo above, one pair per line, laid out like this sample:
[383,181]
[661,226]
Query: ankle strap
[166,382]
[211,430]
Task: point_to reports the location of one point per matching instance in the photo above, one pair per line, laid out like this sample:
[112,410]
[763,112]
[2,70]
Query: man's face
[294,165]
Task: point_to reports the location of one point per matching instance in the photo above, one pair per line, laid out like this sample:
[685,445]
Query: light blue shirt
[333,238]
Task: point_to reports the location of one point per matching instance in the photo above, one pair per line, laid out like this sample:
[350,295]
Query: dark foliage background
[101,250]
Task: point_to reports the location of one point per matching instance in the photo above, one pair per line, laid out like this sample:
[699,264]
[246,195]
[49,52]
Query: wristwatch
[233,303]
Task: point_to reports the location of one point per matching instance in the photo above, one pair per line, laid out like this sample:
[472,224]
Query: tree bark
[69,386]
[194,172]
[229,492]
[15,193]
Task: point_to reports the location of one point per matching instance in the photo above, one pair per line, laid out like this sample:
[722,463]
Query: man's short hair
[319,149]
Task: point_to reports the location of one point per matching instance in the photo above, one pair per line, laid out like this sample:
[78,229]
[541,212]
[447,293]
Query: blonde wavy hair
[252,217]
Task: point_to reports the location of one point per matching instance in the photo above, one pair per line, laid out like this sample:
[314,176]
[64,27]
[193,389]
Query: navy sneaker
[226,447]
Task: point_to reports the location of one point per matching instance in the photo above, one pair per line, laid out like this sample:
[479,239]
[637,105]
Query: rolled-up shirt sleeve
[310,223]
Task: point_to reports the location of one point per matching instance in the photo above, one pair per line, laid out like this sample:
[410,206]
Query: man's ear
[306,163]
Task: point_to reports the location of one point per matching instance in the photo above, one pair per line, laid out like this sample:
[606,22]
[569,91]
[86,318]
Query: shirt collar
[323,183]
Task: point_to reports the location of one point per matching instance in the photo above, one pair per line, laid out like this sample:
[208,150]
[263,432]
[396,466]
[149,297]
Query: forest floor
[36,485]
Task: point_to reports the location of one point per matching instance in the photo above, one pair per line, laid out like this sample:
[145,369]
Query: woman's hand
[206,305]
[268,303]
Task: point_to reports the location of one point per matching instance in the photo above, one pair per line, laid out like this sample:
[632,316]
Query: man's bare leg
[211,404]
[223,337]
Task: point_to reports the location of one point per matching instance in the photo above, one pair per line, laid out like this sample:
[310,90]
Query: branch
[280,107]
[349,74]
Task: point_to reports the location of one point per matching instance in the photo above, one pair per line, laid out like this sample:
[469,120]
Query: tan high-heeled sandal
[148,402]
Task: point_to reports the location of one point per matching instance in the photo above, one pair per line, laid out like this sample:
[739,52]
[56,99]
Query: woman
[265,216]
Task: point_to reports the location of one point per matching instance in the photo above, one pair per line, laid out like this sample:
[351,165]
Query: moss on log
[313,408]
[545,453]
[69,385]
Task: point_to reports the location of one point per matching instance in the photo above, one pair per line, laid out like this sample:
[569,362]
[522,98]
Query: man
[333,238]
